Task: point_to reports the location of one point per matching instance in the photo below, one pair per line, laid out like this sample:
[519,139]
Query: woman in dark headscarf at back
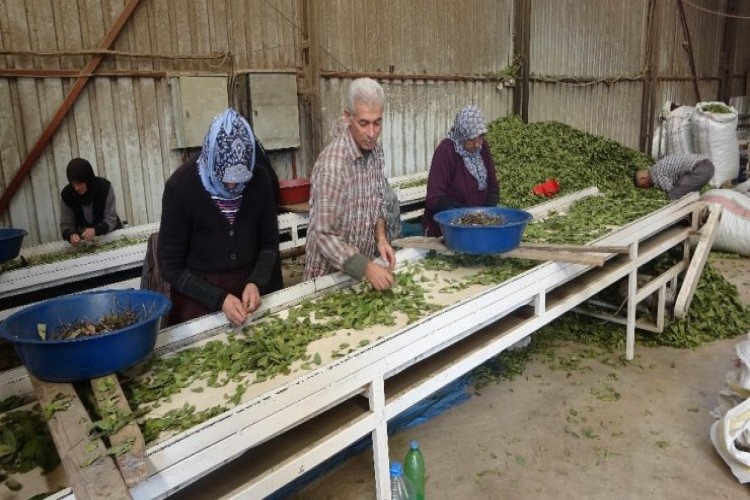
[87,207]
[462,173]
[219,237]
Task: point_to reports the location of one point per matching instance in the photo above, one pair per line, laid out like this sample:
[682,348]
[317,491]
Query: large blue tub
[91,356]
[481,240]
[10,243]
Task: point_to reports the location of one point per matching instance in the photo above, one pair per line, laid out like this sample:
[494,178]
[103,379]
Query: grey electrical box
[273,101]
[196,100]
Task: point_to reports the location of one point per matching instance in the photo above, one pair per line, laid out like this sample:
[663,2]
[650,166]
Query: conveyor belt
[289,424]
[292,229]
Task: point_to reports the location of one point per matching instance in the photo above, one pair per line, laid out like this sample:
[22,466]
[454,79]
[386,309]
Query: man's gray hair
[366,91]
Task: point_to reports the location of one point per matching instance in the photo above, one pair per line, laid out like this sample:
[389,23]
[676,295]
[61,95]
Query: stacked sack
[709,128]
[730,434]
[733,231]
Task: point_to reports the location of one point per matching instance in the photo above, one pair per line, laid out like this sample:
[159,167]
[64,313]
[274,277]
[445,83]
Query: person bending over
[676,175]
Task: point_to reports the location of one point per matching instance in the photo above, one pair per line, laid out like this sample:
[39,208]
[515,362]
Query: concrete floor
[597,428]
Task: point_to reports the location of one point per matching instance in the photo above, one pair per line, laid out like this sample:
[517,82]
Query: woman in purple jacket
[462,173]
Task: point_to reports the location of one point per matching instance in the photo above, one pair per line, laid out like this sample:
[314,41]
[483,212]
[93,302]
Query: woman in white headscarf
[462,173]
[219,239]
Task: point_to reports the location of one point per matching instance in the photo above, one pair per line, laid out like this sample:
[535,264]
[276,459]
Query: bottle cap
[396,468]
[414,445]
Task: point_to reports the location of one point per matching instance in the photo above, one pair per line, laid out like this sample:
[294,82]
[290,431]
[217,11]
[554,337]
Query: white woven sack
[677,128]
[733,233]
[725,434]
[743,188]
[715,135]
[659,143]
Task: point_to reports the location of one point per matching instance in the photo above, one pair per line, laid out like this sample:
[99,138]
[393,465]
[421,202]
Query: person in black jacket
[219,237]
[87,206]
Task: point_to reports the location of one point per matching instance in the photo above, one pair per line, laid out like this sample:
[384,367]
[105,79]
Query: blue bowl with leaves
[475,239]
[41,333]
[10,243]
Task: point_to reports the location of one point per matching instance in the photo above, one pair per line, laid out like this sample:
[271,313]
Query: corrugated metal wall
[742,51]
[438,56]
[122,124]
[675,81]
[590,40]
[470,38]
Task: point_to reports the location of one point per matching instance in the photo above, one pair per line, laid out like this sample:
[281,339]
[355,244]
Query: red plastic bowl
[294,191]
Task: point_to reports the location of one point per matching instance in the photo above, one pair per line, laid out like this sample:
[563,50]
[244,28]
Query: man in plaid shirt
[347,228]
[677,175]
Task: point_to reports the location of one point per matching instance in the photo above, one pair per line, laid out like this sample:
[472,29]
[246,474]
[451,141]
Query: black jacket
[99,190]
[195,239]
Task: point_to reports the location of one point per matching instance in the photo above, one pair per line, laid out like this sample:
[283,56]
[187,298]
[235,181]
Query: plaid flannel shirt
[346,200]
[666,172]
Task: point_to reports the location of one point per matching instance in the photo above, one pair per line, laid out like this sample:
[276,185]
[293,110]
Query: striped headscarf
[228,155]
[470,124]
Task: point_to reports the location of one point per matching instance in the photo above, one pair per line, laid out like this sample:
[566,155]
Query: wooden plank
[53,160]
[181,33]
[556,253]
[148,124]
[69,427]
[425,242]
[433,243]
[697,263]
[10,145]
[132,464]
[575,248]
[593,259]
[131,165]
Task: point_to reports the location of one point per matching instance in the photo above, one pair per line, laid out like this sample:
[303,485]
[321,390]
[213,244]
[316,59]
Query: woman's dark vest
[99,190]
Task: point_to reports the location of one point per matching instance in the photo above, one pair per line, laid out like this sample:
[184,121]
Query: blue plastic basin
[481,240]
[10,243]
[90,356]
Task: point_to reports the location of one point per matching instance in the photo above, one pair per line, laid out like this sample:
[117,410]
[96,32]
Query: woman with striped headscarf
[218,239]
[462,173]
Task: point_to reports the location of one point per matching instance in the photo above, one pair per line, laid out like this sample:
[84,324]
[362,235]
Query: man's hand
[75,239]
[88,234]
[251,298]
[234,310]
[379,277]
[387,253]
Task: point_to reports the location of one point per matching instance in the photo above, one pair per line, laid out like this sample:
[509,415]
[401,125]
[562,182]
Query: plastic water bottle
[414,468]
[401,487]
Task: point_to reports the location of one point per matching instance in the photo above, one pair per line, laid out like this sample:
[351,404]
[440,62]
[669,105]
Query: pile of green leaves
[527,154]
[592,218]
[717,108]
